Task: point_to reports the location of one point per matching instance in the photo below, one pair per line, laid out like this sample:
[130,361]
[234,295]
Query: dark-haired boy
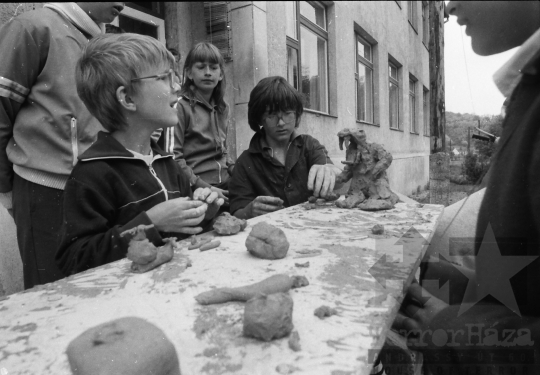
[124,179]
[281,168]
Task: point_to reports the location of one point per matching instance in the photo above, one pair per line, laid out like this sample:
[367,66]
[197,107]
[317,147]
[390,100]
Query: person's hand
[417,312]
[179,215]
[263,205]
[211,198]
[321,179]
[223,194]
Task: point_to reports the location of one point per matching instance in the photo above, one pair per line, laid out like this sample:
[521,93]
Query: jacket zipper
[159,181]
[74,140]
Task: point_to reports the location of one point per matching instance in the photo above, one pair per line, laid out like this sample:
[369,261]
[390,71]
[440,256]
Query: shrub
[473,168]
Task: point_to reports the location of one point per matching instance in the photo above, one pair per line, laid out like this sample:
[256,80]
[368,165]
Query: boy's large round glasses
[287,117]
[169,74]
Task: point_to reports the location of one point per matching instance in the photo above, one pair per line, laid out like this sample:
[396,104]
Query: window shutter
[218,26]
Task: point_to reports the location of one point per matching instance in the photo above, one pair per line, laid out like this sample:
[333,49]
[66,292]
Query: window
[412,105]
[393,92]
[425,23]
[307,41]
[426,111]
[364,80]
[412,14]
[140,21]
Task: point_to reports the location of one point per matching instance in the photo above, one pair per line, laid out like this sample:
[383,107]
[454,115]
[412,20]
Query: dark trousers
[38,213]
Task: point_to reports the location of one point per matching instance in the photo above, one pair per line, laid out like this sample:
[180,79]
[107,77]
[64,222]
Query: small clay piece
[299,281]
[198,242]
[126,346]
[324,311]
[320,202]
[273,284]
[312,199]
[144,255]
[194,246]
[210,245]
[303,265]
[366,165]
[164,254]
[310,206]
[332,196]
[226,224]
[268,317]
[267,242]
[294,341]
[377,229]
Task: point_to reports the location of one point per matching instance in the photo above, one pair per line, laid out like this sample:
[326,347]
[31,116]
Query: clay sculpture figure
[366,165]
[274,284]
[268,317]
[267,242]
[294,341]
[126,346]
[144,255]
[226,224]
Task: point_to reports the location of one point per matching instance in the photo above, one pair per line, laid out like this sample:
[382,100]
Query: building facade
[358,64]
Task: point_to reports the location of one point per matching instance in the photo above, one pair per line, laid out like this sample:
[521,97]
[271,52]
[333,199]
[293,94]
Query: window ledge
[368,123]
[415,133]
[427,135]
[397,130]
[318,114]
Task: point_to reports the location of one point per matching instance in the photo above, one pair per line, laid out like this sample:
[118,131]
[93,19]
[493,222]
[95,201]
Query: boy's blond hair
[110,61]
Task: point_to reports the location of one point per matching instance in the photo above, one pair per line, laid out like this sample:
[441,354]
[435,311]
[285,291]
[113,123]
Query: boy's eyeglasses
[169,75]
[287,117]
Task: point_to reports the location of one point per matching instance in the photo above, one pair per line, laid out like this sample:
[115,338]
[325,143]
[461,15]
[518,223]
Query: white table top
[37,325]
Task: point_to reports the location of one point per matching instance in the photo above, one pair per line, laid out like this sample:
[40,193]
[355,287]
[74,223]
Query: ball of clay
[141,252]
[226,224]
[126,346]
[268,317]
[267,242]
[377,229]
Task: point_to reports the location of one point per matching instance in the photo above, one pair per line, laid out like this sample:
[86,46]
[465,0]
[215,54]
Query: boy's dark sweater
[511,207]
[108,192]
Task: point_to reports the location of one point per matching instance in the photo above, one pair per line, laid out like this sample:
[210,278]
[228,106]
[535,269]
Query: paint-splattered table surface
[360,274]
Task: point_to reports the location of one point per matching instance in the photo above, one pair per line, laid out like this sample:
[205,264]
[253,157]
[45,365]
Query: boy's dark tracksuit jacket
[108,192]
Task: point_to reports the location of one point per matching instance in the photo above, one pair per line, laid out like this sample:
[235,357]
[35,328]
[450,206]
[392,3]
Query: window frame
[412,14]
[143,17]
[425,111]
[296,44]
[370,66]
[425,23]
[396,82]
[413,113]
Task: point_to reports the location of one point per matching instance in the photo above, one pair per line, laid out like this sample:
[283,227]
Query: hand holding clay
[210,197]
[268,317]
[223,194]
[267,242]
[126,346]
[179,215]
[263,205]
[274,284]
[321,179]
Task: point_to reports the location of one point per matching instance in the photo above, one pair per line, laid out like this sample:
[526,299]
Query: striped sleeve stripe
[13,90]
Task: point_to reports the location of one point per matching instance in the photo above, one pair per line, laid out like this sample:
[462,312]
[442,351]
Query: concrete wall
[387,24]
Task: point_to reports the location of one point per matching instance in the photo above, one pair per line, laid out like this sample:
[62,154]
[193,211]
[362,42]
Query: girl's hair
[274,94]
[109,61]
[205,52]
